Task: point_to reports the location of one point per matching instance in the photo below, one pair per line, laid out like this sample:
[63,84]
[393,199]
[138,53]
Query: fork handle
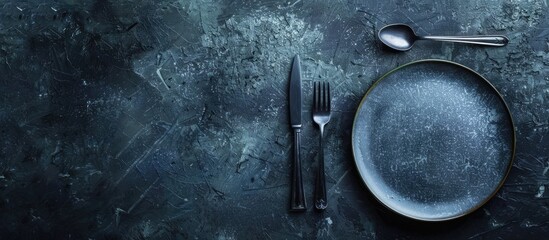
[321,201]
[298,203]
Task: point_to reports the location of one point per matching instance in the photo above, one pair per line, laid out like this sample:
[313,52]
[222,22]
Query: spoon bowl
[398,36]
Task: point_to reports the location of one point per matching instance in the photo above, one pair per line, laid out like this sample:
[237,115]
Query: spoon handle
[488,40]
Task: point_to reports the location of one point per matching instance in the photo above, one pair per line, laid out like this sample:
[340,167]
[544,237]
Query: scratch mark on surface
[172,192]
[161,78]
[545,170]
[338,182]
[64,73]
[129,142]
[119,211]
[142,196]
[264,188]
[68,59]
[8,63]
[290,6]
[541,191]
[296,2]
[149,150]
[279,91]
[219,193]
[131,26]
[490,230]
[202,20]
[106,43]
[239,163]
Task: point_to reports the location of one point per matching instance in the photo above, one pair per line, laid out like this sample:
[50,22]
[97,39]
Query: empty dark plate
[433,140]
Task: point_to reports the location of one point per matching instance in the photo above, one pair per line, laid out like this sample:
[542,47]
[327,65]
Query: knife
[298,196]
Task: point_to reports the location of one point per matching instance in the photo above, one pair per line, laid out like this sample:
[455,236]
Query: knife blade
[297,195]
[295,94]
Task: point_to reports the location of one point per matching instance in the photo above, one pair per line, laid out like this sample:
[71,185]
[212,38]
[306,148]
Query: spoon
[401,37]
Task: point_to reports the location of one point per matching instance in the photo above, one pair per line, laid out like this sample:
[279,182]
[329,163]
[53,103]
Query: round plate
[433,140]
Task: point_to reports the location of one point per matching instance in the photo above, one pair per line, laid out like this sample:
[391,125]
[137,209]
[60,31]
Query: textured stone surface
[168,119]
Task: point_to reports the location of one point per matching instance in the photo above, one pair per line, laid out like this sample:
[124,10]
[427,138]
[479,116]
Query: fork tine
[320,96]
[315,97]
[324,97]
[319,100]
[329,99]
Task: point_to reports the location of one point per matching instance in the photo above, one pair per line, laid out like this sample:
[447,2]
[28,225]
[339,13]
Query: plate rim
[478,205]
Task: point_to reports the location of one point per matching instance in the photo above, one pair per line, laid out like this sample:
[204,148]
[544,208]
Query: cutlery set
[321,116]
[415,167]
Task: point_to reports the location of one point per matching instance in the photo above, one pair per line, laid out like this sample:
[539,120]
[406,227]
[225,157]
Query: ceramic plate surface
[433,140]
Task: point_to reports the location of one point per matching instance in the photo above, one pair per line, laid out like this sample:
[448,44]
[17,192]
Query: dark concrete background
[168,119]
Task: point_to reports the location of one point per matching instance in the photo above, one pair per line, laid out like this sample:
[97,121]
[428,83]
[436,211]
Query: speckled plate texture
[433,140]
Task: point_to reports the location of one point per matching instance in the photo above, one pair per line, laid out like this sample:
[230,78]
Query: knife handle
[298,203]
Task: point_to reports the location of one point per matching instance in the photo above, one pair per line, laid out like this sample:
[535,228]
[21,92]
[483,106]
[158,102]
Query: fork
[321,116]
